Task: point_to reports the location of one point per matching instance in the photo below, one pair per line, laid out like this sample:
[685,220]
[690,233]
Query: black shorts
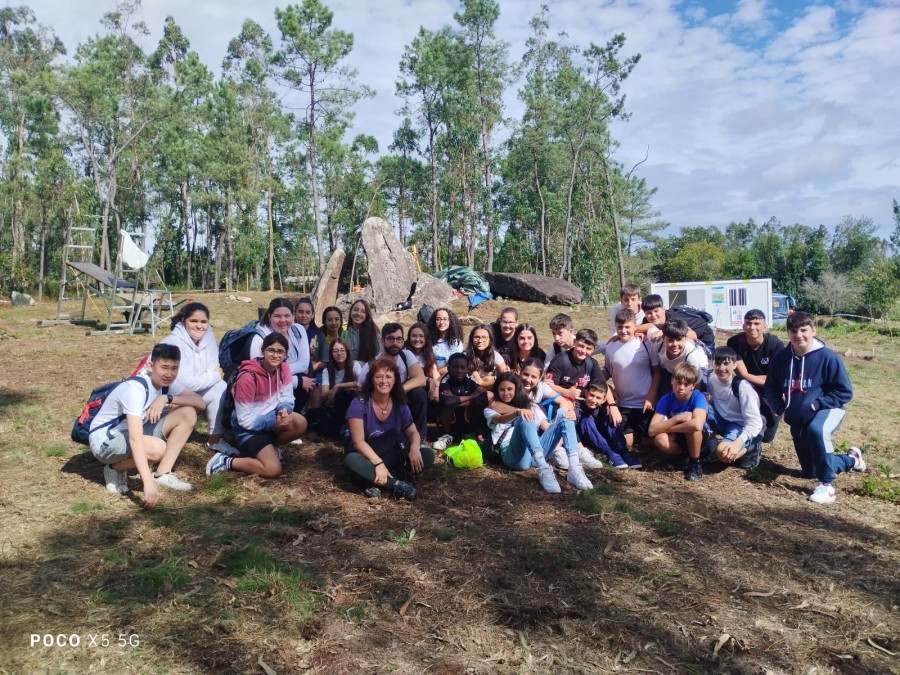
[636,421]
[250,445]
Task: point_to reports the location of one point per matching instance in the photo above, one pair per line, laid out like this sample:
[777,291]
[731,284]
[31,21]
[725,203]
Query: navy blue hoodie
[800,386]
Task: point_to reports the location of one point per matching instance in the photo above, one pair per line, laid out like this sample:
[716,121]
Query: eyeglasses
[276,352]
[396,338]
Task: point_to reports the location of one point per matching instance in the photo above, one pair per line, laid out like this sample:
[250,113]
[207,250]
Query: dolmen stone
[534,288]
[432,291]
[325,291]
[392,270]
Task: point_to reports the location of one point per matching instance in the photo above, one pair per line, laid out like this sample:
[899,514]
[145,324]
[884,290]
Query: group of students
[659,386]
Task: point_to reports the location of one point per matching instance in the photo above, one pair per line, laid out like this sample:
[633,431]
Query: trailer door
[738,304]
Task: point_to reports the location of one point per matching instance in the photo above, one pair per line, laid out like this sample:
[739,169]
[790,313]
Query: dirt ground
[484,573]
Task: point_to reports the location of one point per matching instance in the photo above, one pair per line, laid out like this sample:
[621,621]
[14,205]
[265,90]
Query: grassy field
[483,574]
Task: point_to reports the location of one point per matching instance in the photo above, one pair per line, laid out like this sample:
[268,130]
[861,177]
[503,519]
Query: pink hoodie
[258,395]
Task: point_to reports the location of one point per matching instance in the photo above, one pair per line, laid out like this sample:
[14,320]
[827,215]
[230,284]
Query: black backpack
[425,312]
[234,348]
[698,320]
[81,430]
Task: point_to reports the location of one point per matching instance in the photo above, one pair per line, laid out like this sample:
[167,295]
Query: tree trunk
[190,233]
[43,242]
[537,182]
[489,204]
[464,228]
[435,244]
[567,264]
[314,180]
[219,248]
[615,219]
[16,222]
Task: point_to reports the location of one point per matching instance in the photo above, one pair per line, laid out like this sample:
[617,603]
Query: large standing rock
[392,270]
[21,299]
[325,291]
[432,291]
[344,302]
[534,288]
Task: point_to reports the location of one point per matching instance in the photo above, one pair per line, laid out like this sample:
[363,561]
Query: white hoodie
[197,371]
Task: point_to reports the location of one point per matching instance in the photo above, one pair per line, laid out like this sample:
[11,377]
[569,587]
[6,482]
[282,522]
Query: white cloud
[752,113]
[750,11]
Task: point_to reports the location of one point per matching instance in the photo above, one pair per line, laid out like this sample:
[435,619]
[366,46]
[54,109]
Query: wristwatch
[169,399]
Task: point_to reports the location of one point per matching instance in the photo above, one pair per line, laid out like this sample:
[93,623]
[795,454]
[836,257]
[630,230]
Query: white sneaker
[859,463]
[116,481]
[224,447]
[823,494]
[547,479]
[559,459]
[576,478]
[442,443]
[588,460]
[173,482]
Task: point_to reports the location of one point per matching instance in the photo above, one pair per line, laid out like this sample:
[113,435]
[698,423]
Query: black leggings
[363,471]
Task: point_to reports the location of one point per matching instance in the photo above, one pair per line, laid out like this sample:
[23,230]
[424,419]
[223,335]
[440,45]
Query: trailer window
[737,297]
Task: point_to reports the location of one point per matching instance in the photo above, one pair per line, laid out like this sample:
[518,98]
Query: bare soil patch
[645,573]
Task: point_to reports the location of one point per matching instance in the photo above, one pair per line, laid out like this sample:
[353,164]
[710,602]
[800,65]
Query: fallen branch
[880,648]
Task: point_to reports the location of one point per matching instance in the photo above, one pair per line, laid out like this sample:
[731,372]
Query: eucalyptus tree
[401,177]
[534,158]
[226,165]
[895,235]
[491,73]
[28,112]
[186,82]
[427,68]
[310,61]
[591,98]
[113,102]
[348,188]
[249,60]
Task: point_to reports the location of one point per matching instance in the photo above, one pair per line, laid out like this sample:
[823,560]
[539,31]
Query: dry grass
[644,574]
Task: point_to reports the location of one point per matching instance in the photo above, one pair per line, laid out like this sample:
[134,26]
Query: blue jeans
[524,441]
[814,448]
[729,431]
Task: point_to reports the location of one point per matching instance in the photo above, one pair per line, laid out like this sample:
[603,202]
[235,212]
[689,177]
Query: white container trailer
[727,301]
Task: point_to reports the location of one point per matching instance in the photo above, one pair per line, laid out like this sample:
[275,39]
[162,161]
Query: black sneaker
[750,458]
[694,471]
[679,463]
[372,492]
[400,489]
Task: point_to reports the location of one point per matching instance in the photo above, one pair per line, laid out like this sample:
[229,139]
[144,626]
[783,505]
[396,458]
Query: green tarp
[464,280]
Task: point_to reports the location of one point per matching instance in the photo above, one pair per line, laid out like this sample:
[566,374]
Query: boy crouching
[146,419]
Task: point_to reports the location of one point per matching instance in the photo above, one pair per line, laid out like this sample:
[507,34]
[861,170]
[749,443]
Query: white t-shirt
[629,366]
[339,375]
[638,318]
[405,356]
[498,428]
[443,349]
[129,398]
[692,354]
[542,392]
[742,409]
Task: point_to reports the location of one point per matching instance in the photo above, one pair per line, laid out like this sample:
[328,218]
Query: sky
[742,108]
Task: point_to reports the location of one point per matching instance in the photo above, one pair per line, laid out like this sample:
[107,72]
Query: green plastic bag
[466,455]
